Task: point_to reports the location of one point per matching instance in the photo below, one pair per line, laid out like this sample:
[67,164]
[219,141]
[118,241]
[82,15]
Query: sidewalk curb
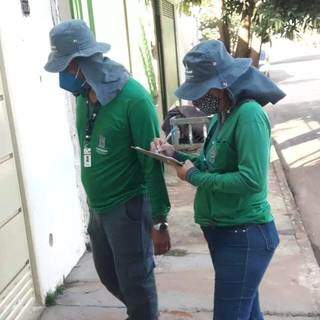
[297,224]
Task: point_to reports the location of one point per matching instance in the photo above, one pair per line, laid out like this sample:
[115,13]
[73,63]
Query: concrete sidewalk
[290,290]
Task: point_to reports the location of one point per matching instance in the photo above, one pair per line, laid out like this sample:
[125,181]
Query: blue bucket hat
[69,40]
[209,65]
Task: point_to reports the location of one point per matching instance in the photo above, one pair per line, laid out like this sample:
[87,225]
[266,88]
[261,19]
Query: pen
[168,137]
[170,134]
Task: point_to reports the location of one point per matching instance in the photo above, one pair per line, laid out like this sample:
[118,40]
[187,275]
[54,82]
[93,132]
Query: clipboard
[159,157]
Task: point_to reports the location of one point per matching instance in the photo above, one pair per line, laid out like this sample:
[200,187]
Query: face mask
[208,104]
[71,82]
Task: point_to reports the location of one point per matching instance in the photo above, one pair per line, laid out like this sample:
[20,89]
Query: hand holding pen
[172,131]
[162,145]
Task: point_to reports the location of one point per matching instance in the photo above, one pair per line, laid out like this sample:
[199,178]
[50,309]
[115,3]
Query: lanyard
[91,118]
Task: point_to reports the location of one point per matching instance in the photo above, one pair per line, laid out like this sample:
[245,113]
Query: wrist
[190,172]
[176,155]
[161,226]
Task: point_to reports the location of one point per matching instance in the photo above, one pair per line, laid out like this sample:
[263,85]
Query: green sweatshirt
[232,170]
[117,172]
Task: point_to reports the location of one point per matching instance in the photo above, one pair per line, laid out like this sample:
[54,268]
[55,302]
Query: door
[167,49]
[17,295]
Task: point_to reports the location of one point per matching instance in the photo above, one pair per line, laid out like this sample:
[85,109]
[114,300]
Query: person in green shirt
[231,174]
[126,192]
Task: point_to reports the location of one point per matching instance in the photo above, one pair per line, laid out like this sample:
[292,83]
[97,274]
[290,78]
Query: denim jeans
[240,257]
[123,256]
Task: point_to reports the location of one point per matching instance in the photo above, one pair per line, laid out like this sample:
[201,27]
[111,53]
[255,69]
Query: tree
[259,20]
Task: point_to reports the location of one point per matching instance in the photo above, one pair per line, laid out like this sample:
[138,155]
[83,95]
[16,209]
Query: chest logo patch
[101,147]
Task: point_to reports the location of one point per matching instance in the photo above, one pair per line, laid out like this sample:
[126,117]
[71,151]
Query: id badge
[87,157]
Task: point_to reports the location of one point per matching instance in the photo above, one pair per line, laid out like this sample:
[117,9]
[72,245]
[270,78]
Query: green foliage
[146,56]
[51,297]
[287,18]
[186,5]
[209,27]
[59,290]
[268,17]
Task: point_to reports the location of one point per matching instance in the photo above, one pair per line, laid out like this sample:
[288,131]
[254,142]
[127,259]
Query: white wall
[187,35]
[110,27]
[44,141]
[137,13]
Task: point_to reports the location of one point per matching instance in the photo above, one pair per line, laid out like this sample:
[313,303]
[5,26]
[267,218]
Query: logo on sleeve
[212,152]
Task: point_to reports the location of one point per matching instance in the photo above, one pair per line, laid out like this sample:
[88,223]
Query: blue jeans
[123,256]
[240,257]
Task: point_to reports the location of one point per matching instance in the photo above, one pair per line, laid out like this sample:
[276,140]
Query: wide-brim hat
[69,40]
[209,65]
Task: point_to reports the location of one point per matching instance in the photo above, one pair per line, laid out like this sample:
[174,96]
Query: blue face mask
[71,82]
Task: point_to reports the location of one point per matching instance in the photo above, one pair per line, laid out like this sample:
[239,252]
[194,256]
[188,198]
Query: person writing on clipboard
[231,174]
[126,191]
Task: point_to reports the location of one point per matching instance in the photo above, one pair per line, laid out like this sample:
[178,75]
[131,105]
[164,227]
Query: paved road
[296,129]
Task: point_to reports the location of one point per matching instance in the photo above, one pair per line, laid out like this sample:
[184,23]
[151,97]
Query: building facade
[42,204]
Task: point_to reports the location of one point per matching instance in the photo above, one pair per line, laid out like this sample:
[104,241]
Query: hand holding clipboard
[161,154]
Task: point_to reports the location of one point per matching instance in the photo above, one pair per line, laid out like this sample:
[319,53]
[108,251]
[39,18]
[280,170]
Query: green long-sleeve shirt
[232,170]
[117,172]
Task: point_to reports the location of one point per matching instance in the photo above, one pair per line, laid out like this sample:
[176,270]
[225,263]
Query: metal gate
[17,295]
[167,49]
